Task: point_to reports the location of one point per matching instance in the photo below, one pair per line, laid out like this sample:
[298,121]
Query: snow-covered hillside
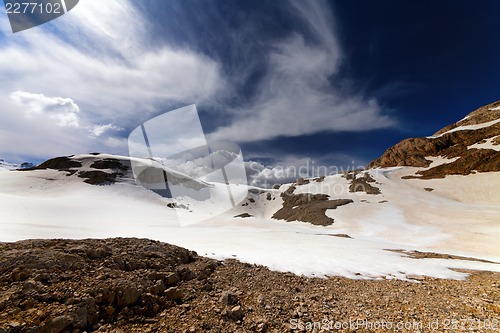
[62,203]
[6,166]
[436,199]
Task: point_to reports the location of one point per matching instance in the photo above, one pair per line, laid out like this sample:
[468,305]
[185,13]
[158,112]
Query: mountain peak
[4,165]
[470,145]
[484,114]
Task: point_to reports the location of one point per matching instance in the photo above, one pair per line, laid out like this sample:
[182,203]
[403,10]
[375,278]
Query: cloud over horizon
[110,75]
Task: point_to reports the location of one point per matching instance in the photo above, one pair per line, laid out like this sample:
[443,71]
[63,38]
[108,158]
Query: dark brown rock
[98,177]
[229,298]
[111,163]
[341,235]
[171,279]
[127,294]
[243,215]
[58,324]
[86,314]
[308,207]
[173,294]
[235,313]
[361,185]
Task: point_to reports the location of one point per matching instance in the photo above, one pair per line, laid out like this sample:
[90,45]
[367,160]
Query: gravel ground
[139,285]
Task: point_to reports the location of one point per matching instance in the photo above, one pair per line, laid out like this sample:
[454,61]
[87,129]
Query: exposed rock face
[480,160]
[361,184]
[409,152]
[62,163]
[450,142]
[307,207]
[110,163]
[98,177]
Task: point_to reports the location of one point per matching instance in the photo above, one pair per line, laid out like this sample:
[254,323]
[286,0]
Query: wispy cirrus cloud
[98,71]
[297,94]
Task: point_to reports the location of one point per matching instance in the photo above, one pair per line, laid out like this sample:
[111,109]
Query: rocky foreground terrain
[138,285]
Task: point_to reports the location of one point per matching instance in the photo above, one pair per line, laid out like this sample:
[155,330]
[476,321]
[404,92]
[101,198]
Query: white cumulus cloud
[101,129]
[64,111]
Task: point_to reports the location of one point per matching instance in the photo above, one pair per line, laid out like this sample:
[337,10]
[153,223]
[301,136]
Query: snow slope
[488,144]
[468,127]
[49,204]
[6,166]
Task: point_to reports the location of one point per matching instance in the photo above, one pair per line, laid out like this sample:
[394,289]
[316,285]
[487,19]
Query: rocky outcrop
[409,152]
[63,163]
[110,163]
[473,160]
[107,171]
[307,207]
[361,183]
[97,177]
[449,142]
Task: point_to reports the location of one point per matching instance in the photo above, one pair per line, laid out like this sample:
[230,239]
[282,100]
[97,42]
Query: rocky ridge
[451,142]
[104,169]
[99,171]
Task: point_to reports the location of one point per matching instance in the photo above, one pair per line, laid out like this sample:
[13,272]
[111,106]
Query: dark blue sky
[426,63]
[429,61]
[332,81]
